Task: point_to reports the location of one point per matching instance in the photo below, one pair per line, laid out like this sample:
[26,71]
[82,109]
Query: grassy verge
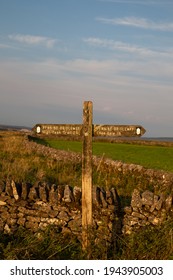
[155,157]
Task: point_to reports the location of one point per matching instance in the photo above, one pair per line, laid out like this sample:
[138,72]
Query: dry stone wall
[147,209]
[38,206]
[35,207]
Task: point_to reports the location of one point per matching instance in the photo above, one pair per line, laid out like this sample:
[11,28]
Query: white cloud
[33,40]
[4,46]
[138,22]
[123,47]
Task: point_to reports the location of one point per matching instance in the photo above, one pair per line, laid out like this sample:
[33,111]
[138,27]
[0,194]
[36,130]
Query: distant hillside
[13,127]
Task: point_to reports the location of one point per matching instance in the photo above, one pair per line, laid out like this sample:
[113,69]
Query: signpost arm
[87,172]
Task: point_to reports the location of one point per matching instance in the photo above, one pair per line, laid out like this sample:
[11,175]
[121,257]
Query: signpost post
[87,173]
[87,131]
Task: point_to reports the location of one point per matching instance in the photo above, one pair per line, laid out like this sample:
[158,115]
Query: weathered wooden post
[87,172]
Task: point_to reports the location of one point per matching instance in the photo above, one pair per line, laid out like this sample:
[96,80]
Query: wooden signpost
[87,131]
[101,130]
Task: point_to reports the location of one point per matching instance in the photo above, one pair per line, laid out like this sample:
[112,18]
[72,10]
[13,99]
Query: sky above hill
[56,54]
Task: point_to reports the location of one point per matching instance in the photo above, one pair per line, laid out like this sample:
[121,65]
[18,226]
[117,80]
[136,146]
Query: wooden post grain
[87,173]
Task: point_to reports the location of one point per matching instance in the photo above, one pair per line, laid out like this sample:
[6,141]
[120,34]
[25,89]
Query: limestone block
[133,221]
[111,207]
[96,196]
[11,221]
[155,201]
[30,212]
[33,193]
[5,215]
[163,214]
[54,221]
[21,210]
[168,202]
[128,210]
[139,215]
[110,226]
[60,193]
[53,213]
[63,215]
[154,220]
[116,200]
[160,202]
[103,198]
[66,230]
[43,193]
[68,194]
[77,194]
[14,189]
[20,215]
[7,229]
[25,190]
[147,198]
[43,214]
[21,221]
[31,225]
[155,212]
[3,209]
[2,203]
[75,225]
[43,226]
[33,219]
[44,219]
[12,209]
[8,189]
[11,201]
[127,229]
[53,195]
[13,215]
[136,200]
[42,206]
[109,197]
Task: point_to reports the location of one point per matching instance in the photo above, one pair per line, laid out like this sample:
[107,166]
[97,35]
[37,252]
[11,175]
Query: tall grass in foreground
[150,243]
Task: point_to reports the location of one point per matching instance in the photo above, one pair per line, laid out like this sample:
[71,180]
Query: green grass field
[155,157]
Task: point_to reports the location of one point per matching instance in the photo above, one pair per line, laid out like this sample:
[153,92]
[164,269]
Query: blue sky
[55,54]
